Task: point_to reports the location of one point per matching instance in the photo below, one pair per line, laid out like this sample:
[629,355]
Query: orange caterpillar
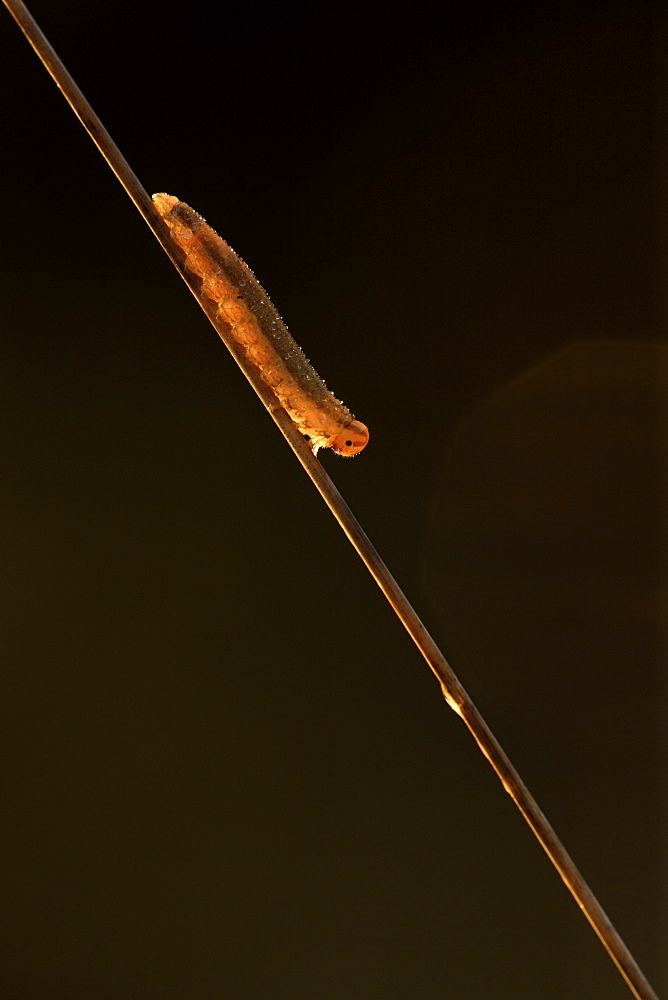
[247,314]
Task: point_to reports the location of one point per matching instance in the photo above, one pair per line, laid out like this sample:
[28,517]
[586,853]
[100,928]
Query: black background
[227,771]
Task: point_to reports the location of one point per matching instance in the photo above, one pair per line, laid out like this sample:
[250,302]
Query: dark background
[227,771]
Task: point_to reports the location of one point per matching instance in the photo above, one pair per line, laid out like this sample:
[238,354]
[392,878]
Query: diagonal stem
[454,693]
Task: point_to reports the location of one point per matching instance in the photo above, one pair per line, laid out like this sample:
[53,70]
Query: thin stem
[454,693]
[96,130]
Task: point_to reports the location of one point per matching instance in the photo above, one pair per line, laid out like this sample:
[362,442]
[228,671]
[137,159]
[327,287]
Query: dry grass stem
[453,691]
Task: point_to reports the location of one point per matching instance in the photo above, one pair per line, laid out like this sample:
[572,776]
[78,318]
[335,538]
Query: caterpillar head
[351,440]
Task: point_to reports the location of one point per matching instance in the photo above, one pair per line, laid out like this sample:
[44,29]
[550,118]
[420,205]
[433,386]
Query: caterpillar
[248,316]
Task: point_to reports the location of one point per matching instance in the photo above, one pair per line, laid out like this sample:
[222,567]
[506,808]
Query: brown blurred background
[226,770]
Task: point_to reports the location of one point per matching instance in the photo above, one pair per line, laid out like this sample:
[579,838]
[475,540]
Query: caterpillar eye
[351,440]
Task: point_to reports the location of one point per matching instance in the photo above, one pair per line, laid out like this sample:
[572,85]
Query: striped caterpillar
[245,311]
